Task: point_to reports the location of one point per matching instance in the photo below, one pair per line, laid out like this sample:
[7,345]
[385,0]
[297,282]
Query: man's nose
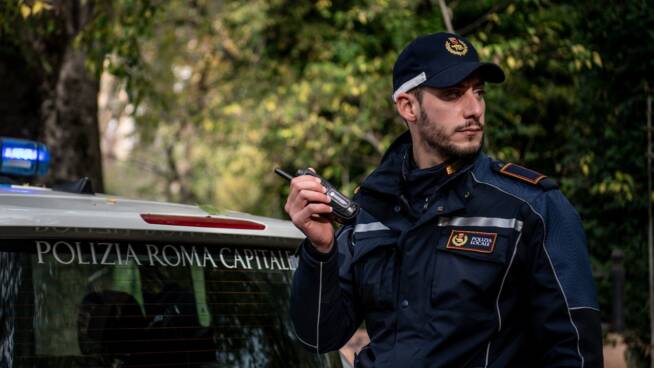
[473,105]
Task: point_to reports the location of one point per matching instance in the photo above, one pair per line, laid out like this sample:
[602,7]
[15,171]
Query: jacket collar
[387,177]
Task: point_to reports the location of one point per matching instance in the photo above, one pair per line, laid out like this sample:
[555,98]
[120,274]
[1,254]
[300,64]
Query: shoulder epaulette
[525,175]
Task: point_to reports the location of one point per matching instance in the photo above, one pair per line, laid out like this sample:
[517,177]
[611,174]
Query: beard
[436,137]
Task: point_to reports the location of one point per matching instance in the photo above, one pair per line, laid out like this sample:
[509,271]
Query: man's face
[451,120]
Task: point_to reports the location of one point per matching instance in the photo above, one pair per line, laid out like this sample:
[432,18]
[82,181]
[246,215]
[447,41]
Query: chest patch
[472,241]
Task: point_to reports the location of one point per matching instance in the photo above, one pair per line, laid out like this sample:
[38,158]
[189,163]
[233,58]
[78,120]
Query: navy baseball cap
[439,60]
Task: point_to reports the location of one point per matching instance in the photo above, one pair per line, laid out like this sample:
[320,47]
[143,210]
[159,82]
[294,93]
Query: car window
[82,303]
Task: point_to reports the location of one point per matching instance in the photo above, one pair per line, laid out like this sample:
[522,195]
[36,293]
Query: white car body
[26,210]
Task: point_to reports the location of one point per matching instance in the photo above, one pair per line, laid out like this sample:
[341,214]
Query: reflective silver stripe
[373,226]
[318,318]
[410,84]
[499,293]
[482,221]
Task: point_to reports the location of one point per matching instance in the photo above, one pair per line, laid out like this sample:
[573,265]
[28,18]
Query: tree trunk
[70,119]
[48,93]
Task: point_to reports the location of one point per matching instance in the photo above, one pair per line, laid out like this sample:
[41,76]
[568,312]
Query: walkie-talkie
[344,208]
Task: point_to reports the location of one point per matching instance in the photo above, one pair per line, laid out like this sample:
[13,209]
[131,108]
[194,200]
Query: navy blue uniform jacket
[494,273]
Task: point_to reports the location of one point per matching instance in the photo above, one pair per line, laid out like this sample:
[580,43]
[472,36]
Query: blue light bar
[23,158]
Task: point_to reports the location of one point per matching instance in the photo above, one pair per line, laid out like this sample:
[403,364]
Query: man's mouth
[474,128]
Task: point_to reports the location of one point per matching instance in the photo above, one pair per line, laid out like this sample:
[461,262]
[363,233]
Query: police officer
[455,259]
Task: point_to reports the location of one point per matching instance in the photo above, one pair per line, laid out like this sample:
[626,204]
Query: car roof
[34,211]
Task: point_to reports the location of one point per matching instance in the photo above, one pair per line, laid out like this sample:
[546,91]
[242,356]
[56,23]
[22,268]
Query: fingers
[305,189]
[306,205]
[308,214]
[309,196]
[306,182]
[307,201]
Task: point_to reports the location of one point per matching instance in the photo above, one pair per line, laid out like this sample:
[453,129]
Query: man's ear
[408,107]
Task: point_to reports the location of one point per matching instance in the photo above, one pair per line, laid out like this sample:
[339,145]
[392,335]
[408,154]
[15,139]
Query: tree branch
[445,12]
[369,137]
[483,19]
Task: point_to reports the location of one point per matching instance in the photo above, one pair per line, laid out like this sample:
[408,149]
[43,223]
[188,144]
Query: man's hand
[306,201]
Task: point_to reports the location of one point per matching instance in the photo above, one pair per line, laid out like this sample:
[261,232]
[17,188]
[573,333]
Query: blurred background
[197,101]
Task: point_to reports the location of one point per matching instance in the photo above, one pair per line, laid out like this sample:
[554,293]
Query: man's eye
[452,94]
[480,92]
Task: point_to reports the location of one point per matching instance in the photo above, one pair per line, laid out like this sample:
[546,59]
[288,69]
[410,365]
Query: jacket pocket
[465,287]
[374,260]
[469,268]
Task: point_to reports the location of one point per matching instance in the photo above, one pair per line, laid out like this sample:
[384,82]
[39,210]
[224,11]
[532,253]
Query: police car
[90,280]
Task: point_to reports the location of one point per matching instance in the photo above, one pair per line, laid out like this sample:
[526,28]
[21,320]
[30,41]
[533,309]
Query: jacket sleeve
[323,308]
[565,320]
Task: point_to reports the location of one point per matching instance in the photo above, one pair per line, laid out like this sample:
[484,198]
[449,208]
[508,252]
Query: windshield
[81,303]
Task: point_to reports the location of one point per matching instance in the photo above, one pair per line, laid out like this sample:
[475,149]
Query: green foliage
[44,29]
[611,123]
[324,101]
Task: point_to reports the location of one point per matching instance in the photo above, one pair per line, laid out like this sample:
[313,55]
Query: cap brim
[488,72]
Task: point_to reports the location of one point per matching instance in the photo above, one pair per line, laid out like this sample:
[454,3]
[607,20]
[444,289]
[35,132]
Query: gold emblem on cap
[456,46]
